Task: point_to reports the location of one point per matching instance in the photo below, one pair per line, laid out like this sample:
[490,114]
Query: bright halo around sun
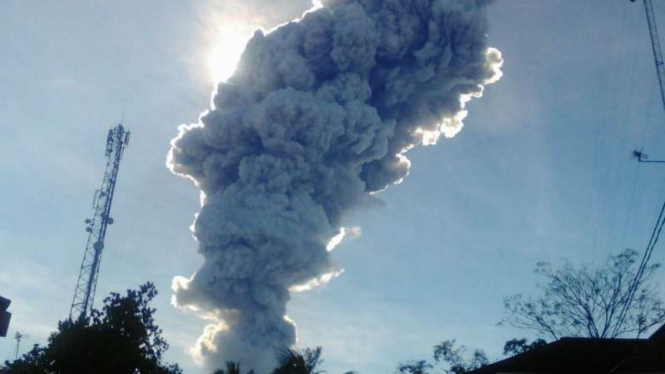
[229,44]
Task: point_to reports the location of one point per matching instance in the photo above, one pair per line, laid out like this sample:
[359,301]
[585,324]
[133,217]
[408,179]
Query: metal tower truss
[655,46]
[117,140]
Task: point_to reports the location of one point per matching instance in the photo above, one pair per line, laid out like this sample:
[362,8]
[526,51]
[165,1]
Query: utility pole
[84,295]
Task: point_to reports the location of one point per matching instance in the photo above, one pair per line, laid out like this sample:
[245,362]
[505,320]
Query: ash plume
[316,119]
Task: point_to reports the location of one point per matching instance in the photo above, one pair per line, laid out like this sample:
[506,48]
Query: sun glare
[229,44]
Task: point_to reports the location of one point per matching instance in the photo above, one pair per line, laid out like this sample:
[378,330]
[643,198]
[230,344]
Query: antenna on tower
[18,336]
[116,141]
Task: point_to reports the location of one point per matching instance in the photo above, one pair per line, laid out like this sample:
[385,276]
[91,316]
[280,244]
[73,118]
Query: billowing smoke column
[317,117]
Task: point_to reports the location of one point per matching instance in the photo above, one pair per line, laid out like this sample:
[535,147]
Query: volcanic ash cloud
[317,117]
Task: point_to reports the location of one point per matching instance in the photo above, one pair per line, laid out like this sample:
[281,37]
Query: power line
[641,157]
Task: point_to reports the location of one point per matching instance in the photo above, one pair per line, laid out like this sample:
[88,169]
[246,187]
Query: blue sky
[541,171]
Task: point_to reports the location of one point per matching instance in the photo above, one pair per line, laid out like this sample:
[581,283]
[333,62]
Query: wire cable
[660,222]
[655,235]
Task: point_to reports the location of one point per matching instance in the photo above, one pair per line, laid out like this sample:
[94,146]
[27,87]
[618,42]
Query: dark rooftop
[588,355]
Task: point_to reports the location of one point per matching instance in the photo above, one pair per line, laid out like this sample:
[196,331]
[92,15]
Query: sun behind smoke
[317,120]
[230,43]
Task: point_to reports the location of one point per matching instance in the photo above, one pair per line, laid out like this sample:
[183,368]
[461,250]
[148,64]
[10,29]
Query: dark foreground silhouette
[121,338]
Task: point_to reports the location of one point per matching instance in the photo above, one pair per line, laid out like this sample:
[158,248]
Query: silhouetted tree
[450,359]
[122,338]
[454,357]
[306,361]
[33,362]
[232,368]
[292,361]
[516,346]
[414,367]
[587,303]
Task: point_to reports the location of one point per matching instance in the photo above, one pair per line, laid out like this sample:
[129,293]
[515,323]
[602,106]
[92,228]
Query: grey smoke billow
[316,119]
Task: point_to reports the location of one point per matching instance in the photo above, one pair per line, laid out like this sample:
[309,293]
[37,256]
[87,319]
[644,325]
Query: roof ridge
[658,335]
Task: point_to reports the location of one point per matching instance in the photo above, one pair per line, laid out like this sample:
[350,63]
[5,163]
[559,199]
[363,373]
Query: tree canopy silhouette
[516,346]
[451,359]
[122,338]
[306,361]
[292,361]
[232,368]
[581,302]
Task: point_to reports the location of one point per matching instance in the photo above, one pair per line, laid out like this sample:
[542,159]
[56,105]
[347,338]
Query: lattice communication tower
[117,140]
